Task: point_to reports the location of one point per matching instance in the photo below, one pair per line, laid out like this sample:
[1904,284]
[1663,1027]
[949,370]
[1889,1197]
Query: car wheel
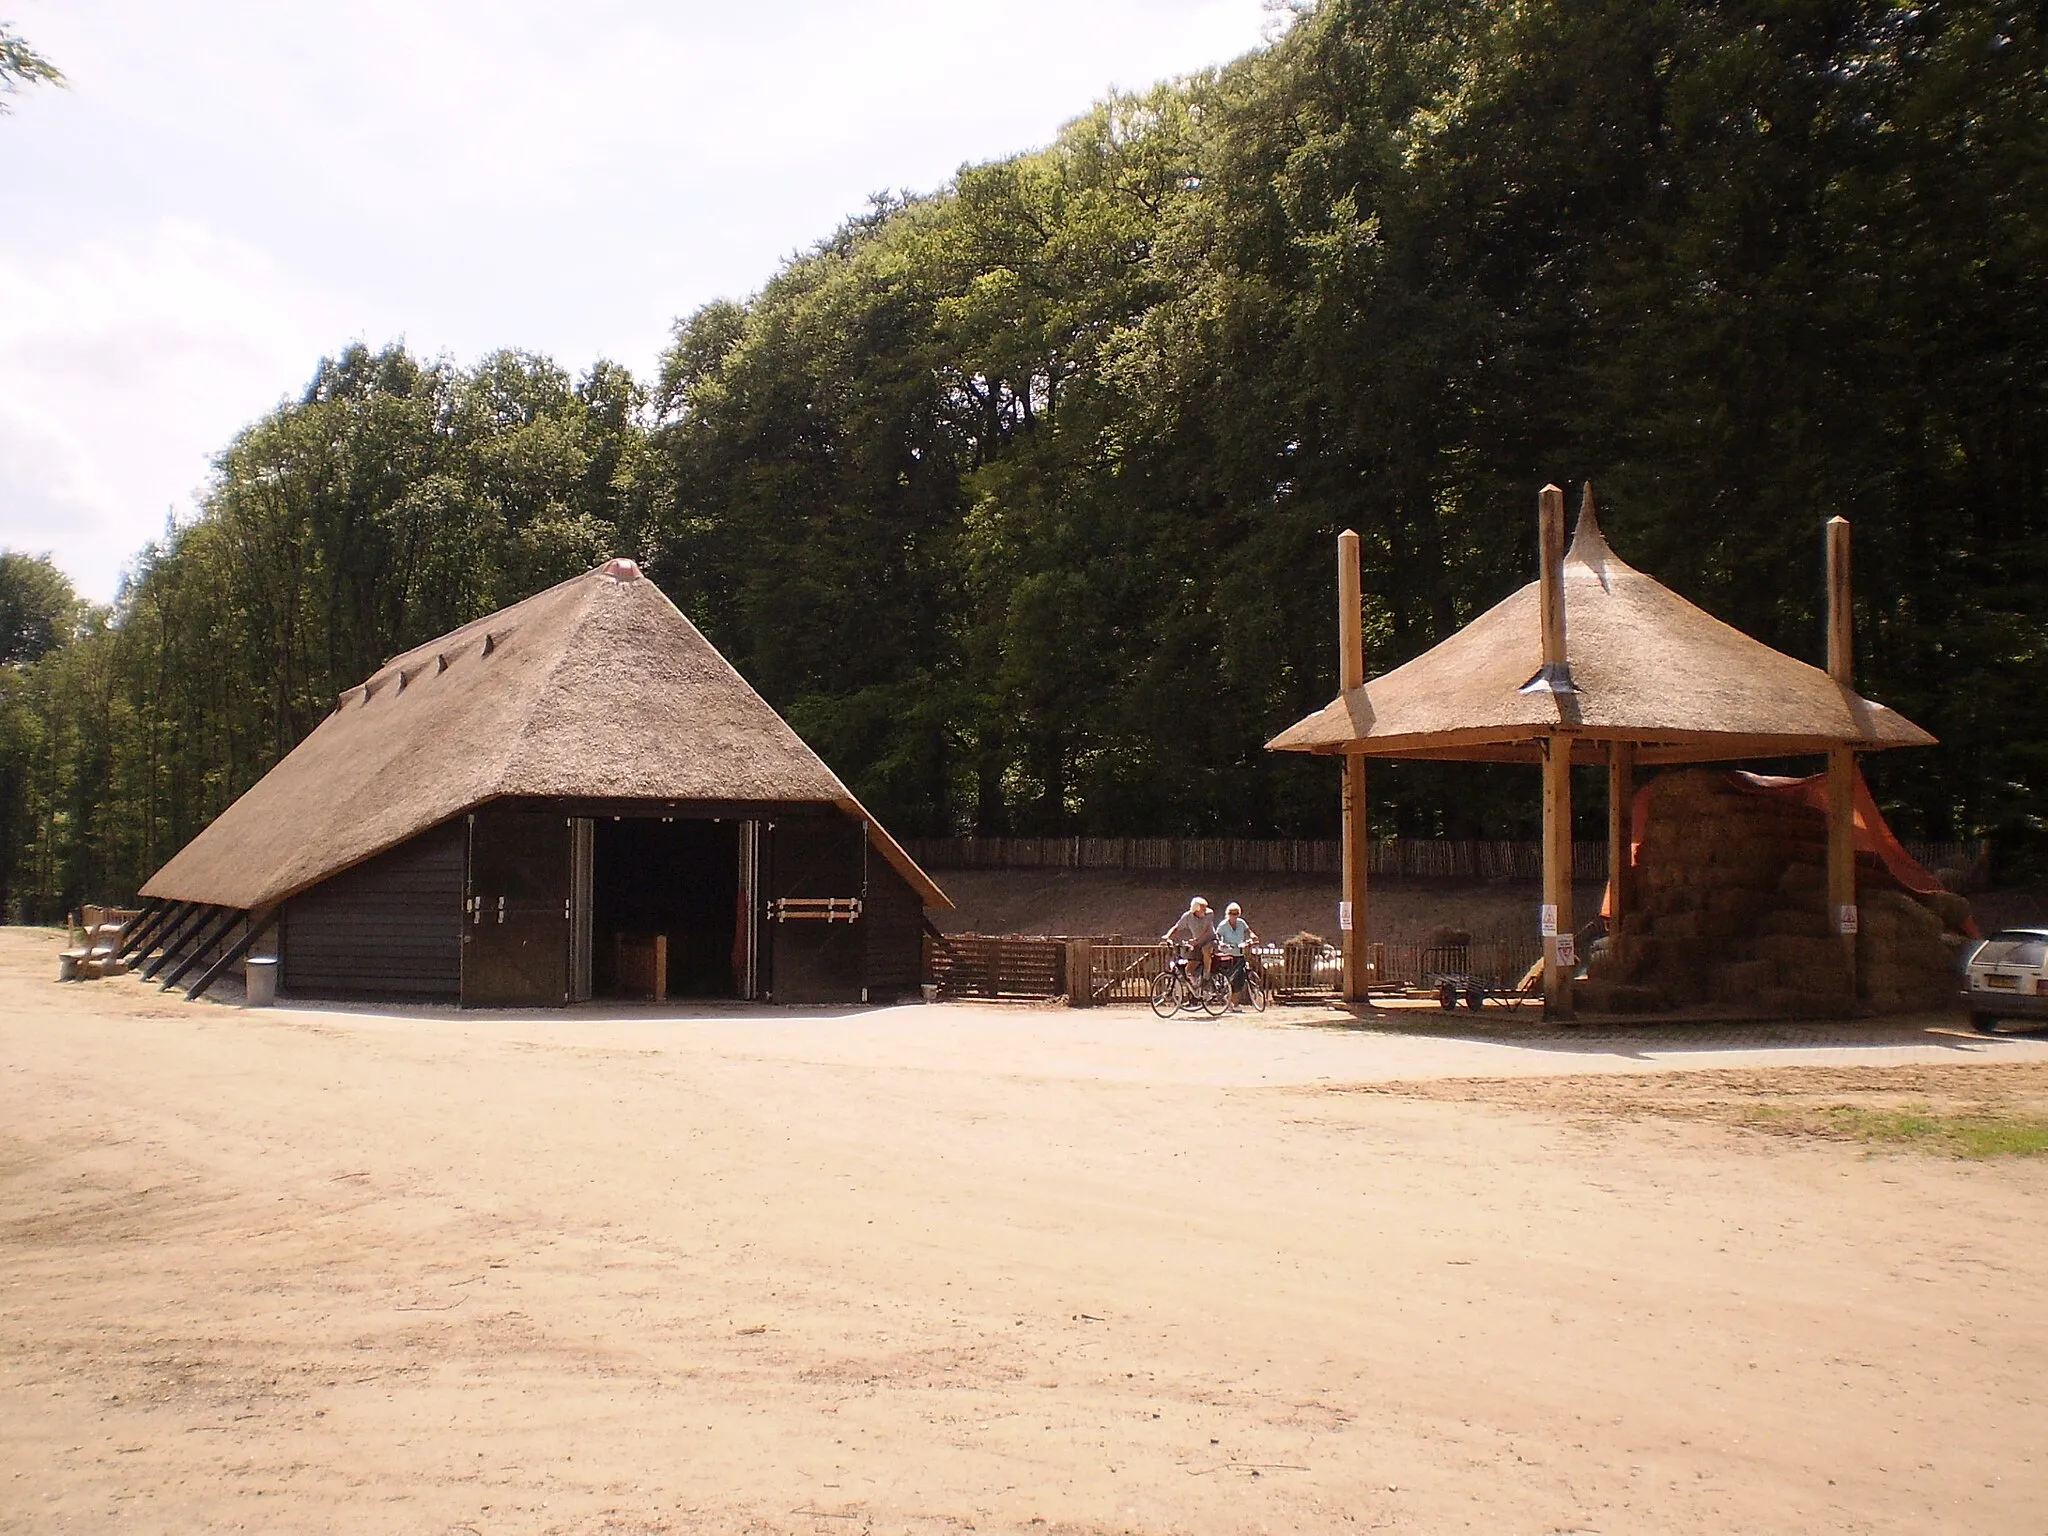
[1984,1023]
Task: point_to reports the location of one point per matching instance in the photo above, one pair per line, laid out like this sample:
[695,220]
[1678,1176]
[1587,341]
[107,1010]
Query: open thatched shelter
[1594,662]
[576,795]
[1646,668]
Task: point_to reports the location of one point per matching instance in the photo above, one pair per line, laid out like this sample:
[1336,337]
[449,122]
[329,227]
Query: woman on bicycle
[1233,936]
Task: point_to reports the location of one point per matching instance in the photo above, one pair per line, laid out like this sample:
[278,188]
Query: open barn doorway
[665,908]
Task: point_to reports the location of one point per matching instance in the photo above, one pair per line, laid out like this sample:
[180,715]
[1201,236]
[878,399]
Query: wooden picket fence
[983,965]
[977,965]
[1398,857]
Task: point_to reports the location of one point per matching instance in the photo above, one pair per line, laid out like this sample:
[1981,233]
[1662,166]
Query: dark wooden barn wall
[392,926]
[894,918]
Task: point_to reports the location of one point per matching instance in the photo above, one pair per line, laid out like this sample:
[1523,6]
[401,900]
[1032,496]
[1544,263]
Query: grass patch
[1981,1110]
[1919,1127]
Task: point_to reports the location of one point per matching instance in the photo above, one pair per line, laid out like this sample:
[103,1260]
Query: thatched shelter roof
[1648,667]
[596,688]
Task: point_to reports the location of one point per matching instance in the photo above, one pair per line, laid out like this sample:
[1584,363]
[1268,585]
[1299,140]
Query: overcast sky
[227,191]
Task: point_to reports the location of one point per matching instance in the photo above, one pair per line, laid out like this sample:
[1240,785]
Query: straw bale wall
[1731,909]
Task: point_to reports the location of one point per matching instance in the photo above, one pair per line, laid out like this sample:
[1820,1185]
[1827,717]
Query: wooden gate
[516,918]
[813,898]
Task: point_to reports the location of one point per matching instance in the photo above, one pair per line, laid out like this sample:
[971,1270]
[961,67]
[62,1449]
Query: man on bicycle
[1233,936]
[1196,928]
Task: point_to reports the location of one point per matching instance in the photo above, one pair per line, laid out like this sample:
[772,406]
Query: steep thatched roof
[598,688]
[1648,667]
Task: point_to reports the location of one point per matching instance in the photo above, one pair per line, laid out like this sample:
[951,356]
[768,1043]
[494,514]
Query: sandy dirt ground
[950,1269]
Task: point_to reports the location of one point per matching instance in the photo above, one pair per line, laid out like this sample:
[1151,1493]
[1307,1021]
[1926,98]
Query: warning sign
[1546,920]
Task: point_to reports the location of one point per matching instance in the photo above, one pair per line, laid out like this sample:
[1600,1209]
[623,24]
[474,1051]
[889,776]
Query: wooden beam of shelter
[242,946]
[209,934]
[169,913]
[1621,795]
[1557,762]
[1841,781]
[175,936]
[145,923]
[1357,832]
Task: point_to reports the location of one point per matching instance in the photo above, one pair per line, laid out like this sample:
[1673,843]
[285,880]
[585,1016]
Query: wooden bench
[97,931]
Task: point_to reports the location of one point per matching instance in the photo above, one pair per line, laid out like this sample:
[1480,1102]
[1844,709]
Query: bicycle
[1258,991]
[1184,985]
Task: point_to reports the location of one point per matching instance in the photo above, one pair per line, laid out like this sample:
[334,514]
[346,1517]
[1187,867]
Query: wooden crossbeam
[174,938]
[235,952]
[139,928]
[153,929]
[817,909]
[209,934]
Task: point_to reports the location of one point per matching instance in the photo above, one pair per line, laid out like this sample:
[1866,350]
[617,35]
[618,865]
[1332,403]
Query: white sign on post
[1847,919]
[1567,951]
[1546,920]
[1344,916]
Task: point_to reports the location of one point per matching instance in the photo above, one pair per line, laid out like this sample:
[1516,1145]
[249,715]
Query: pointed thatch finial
[1588,542]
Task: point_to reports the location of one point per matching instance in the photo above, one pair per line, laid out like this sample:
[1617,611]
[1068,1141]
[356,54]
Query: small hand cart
[1475,988]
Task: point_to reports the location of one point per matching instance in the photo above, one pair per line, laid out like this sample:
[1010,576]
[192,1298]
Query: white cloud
[124,365]
[231,189]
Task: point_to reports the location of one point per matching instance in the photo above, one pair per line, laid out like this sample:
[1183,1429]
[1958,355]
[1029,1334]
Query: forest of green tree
[1018,498]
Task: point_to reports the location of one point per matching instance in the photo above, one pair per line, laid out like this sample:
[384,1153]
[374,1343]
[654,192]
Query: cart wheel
[1474,996]
[1447,996]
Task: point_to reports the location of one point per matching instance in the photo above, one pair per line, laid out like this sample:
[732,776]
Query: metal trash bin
[259,977]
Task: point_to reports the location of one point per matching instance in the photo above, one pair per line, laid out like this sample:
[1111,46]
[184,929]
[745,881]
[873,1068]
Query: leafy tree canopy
[1018,498]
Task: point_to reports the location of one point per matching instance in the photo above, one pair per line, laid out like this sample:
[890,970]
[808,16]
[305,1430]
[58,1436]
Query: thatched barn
[576,796]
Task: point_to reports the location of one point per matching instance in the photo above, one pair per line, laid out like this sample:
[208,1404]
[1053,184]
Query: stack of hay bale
[1731,909]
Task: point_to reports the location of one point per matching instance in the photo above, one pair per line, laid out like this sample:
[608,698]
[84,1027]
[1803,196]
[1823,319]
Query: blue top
[1232,934]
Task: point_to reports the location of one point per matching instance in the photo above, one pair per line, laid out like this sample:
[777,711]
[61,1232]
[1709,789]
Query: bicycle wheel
[1255,991]
[1165,995]
[1213,992]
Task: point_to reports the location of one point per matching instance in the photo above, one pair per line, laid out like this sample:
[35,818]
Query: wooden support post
[1550,590]
[258,926]
[1557,763]
[1621,795]
[180,929]
[171,913]
[1357,833]
[1080,973]
[206,937]
[138,933]
[1557,872]
[661,967]
[1841,782]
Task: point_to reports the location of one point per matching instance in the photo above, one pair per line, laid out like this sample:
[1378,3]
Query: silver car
[2006,977]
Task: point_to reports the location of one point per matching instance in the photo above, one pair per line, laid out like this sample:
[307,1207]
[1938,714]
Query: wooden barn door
[516,924]
[815,885]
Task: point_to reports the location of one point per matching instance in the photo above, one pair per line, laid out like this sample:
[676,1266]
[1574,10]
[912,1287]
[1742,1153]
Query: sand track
[1001,1270]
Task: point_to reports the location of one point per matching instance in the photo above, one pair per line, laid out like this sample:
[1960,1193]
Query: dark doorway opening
[673,881]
